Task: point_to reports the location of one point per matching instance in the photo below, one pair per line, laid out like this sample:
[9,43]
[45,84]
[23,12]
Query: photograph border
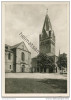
[3,52]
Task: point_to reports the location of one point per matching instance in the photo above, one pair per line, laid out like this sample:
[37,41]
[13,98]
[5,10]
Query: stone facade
[47,38]
[34,64]
[17,58]
[8,59]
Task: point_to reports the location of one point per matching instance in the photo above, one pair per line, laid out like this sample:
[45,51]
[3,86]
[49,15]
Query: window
[10,66]
[49,33]
[22,56]
[9,56]
[6,47]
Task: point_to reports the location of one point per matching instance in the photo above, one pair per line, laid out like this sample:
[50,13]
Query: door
[23,68]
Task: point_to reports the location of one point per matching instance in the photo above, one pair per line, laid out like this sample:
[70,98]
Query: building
[46,44]
[34,64]
[47,38]
[17,58]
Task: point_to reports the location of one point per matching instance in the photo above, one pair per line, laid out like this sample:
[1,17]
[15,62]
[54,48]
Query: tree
[51,63]
[62,61]
[41,61]
[44,62]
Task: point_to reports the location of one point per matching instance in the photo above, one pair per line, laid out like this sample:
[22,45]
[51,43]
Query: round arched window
[9,56]
[22,56]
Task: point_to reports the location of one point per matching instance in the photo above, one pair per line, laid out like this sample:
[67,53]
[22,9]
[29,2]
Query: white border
[3,62]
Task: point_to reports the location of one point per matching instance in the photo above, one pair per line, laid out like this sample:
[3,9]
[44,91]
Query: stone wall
[26,63]
[8,62]
[16,63]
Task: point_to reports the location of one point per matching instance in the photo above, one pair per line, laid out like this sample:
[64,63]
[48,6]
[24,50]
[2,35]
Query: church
[46,44]
[17,58]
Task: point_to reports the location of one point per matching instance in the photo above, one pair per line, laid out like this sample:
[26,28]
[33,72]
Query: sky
[29,19]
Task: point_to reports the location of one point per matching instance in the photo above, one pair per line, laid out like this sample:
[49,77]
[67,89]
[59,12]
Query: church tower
[47,38]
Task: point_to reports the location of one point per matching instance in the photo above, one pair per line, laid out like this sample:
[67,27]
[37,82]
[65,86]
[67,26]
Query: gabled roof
[15,46]
[7,45]
[8,49]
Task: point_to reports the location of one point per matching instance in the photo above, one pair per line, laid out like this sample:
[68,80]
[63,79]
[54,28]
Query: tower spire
[47,24]
[47,11]
[47,37]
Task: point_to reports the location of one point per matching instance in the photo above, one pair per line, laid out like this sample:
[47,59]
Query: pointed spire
[47,24]
[47,11]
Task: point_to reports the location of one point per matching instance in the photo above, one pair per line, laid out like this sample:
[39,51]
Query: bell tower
[47,38]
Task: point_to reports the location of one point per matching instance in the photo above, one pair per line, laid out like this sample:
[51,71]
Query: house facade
[17,58]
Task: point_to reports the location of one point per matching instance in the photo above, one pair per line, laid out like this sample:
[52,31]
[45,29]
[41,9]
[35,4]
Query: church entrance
[22,68]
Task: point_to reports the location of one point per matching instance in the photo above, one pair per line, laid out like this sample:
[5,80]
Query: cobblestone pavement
[36,75]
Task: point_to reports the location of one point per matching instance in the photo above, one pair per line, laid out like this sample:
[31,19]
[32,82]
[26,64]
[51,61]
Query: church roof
[8,48]
[15,46]
[47,24]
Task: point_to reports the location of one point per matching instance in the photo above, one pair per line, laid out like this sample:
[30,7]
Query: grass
[35,85]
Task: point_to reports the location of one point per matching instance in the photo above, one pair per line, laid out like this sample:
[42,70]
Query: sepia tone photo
[35,49]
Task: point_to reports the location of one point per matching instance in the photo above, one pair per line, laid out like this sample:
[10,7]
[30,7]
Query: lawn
[17,85]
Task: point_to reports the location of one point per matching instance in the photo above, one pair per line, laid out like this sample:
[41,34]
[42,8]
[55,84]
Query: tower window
[22,56]
[10,66]
[9,56]
[49,33]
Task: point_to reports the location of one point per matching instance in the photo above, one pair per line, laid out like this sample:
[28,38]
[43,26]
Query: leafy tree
[44,61]
[41,59]
[62,61]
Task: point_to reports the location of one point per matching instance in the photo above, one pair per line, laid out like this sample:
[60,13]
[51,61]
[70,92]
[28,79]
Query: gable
[22,46]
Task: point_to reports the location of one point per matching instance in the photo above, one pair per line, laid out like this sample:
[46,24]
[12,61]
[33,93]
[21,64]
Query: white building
[17,58]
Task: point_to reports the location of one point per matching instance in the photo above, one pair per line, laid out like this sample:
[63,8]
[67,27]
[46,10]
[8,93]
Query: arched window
[22,56]
[49,33]
[10,66]
[9,56]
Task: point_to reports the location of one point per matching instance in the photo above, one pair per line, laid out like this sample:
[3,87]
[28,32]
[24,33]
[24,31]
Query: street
[36,75]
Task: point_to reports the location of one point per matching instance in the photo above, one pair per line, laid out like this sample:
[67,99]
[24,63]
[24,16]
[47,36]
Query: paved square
[36,75]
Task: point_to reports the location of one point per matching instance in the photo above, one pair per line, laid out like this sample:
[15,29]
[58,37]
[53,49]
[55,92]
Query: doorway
[22,69]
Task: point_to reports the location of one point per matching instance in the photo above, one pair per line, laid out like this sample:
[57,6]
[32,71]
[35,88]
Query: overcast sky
[29,19]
